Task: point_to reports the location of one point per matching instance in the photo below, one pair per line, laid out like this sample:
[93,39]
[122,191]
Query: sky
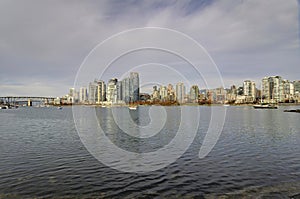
[43,44]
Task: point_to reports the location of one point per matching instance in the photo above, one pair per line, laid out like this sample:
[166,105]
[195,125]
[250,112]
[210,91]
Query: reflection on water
[42,156]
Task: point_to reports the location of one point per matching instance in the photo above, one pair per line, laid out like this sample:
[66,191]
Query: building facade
[83,95]
[180,92]
[272,89]
[101,91]
[249,91]
[111,94]
[135,87]
[194,94]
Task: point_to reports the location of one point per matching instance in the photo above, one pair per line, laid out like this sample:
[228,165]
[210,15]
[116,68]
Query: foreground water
[257,154]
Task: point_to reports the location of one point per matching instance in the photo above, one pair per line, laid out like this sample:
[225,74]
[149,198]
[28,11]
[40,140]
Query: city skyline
[41,51]
[272,89]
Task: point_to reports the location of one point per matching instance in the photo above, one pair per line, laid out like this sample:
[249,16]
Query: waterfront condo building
[111,94]
[194,94]
[249,91]
[83,95]
[134,87]
[272,89]
[180,92]
[101,91]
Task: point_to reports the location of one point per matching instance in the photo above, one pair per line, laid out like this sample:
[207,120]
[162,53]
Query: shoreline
[186,104]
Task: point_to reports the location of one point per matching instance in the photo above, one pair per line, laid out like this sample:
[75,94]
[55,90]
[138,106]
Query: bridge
[13,100]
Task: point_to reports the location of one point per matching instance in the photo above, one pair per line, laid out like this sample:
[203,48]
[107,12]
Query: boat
[9,107]
[59,108]
[4,107]
[292,111]
[132,107]
[226,105]
[265,106]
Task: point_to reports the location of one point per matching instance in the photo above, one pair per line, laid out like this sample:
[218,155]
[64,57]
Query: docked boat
[262,105]
[9,107]
[292,111]
[132,107]
[4,107]
[265,106]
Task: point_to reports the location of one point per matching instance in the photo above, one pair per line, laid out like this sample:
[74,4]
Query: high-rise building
[155,94]
[126,90]
[171,93]
[249,91]
[83,95]
[180,92]
[194,94]
[163,92]
[135,87]
[72,94]
[272,89]
[231,94]
[93,93]
[101,91]
[297,86]
[219,95]
[119,92]
[111,94]
[288,90]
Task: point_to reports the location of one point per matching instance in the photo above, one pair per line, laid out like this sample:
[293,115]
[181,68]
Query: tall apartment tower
[126,90]
[135,86]
[194,94]
[83,95]
[249,89]
[111,94]
[180,92]
[101,91]
[272,89]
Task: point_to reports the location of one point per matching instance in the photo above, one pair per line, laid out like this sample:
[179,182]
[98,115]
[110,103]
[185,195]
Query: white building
[249,90]
[194,94]
[83,95]
[111,94]
[163,92]
[272,89]
[180,92]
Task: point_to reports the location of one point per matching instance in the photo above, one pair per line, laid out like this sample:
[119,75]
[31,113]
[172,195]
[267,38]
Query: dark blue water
[41,155]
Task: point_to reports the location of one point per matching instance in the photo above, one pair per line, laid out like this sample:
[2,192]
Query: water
[41,155]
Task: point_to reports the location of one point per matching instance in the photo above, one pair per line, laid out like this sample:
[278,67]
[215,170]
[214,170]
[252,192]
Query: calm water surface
[41,155]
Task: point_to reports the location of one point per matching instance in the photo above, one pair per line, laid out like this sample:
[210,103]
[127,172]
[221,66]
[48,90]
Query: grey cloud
[42,43]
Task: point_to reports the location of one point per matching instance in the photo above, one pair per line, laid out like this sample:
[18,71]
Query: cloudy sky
[44,43]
